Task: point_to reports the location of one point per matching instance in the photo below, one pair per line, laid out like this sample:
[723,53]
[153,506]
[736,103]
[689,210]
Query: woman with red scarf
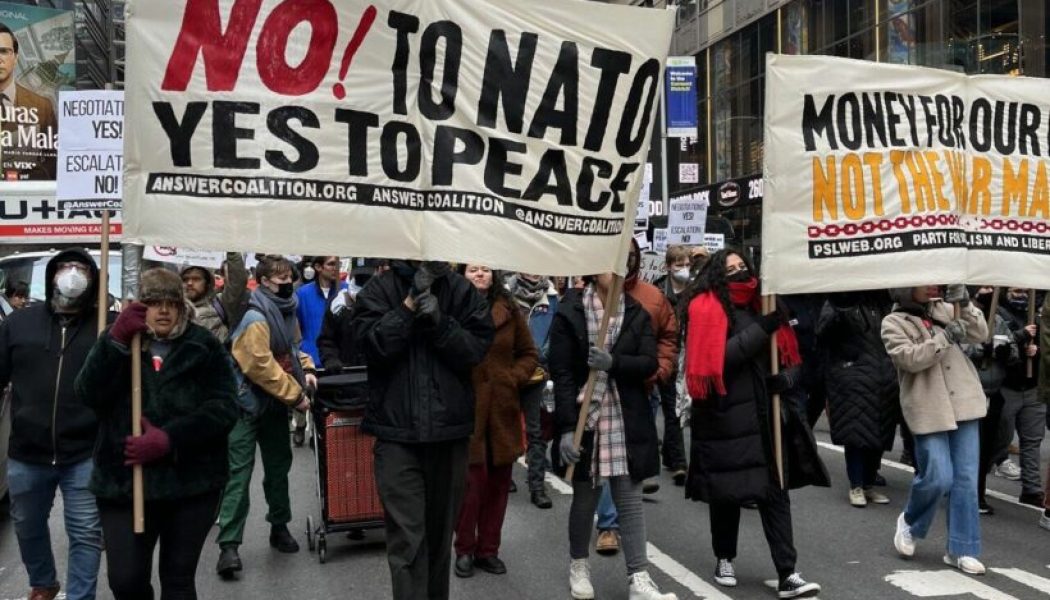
[727,374]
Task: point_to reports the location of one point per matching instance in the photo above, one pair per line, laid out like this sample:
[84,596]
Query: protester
[810,393]
[423,329]
[728,377]
[665,328]
[862,387]
[509,364]
[17,295]
[189,407]
[942,399]
[273,374]
[537,299]
[991,357]
[218,312]
[336,344]
[1023,409]
[42,348]
[619,444]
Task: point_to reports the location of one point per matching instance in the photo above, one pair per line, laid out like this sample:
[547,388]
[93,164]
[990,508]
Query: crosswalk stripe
[678,572]
[1035,582]
[939,584]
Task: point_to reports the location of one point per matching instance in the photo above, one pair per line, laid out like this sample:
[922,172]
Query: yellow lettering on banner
[957,171]
[853,203]
[824,190]
[896,158]
[980,191]
[924,199]
[1040,205]
[938,181]
[874,162]
[1015,187]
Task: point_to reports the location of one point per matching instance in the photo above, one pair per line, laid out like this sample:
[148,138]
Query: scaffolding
[99,26]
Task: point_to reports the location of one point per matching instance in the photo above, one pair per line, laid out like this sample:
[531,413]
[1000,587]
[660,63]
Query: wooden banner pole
[103,275]
[1030,370]
[611,304]
[138,502]
[769,304]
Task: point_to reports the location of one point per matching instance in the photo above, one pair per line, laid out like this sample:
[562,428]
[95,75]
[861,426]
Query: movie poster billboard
[36,61]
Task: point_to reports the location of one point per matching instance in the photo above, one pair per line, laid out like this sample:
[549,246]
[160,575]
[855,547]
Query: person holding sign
[42,348]
[496,443]
[943,402]
[189,407]
[218,312]
[727,374]
[423,329]
[619,444]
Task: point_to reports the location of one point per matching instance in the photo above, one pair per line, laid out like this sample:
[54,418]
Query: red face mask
[743,293]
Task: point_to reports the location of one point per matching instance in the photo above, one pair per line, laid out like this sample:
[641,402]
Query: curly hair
[711,278]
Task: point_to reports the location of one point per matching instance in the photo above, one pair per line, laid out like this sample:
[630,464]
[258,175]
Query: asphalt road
[848,550]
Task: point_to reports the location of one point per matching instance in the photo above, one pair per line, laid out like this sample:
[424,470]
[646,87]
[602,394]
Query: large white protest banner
[90,149]
[891,176]
[506,133]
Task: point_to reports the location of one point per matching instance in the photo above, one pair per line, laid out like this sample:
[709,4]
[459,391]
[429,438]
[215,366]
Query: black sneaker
[679,476]
[879,480]
[229,562]
[541,499]
[725,576]
[465,566]
[650,486]
[513,487]
[795,587]
[299,436]
[984,508]
[282,540]
[491,564]
[1031,499]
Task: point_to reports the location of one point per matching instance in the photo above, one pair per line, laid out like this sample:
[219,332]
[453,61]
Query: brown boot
[44,593]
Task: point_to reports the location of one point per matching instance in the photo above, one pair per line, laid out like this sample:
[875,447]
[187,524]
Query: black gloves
[777,384]
[1002,352]
[771,322]
[428,311]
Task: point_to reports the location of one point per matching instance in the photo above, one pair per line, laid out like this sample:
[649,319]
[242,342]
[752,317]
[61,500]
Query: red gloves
[132,320]
[154,444]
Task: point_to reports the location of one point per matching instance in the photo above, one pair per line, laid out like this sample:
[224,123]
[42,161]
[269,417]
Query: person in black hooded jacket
[42,348]
[423,329]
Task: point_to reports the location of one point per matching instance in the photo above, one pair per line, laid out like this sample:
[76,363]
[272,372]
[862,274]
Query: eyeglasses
[7,52]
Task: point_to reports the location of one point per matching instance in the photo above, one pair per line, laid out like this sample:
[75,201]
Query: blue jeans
[32,489]
[608,518]
[948,466]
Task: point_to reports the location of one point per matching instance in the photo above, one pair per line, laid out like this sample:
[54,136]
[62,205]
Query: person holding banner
[423,329]
[943,402]
[188,407]
[496,443]
[218,312]
[273,376]
[727,374]
[619,444]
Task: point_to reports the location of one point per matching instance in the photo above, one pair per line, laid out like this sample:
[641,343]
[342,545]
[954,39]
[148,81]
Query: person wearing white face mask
[42,348]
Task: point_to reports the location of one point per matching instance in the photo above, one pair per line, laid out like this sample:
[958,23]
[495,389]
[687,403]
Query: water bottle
[548,397]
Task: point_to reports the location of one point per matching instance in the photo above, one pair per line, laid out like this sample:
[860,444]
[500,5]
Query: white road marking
[903,467]
[552,480]
[937,584]
[1035,582]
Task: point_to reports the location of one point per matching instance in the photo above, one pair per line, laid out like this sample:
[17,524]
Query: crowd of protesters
[469,369]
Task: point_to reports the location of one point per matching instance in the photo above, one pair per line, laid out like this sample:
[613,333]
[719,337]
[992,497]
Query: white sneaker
[642,588]
[1044,521]
[902,539]
[1008,469]
[725,575]
[876,497]
[966,564]
[580,579]
[856,497]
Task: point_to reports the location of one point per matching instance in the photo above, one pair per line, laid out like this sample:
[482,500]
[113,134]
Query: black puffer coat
[731,456]
[863,393]
[634,361]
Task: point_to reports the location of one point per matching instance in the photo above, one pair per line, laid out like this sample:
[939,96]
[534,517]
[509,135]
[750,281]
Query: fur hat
[160,284]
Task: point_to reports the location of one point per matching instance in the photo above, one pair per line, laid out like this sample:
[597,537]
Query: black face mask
[285,290]
[985,300]
[740,277]
[361,280]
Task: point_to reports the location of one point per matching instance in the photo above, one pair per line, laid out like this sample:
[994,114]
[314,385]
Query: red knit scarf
[707,335]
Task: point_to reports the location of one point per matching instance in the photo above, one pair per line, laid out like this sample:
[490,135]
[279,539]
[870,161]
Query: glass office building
[730,39]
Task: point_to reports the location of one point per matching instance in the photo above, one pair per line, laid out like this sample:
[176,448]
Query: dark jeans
[775,512]
[674,445]
[990,428]
[862,465]
[181,526]
[422,488]
[536,451]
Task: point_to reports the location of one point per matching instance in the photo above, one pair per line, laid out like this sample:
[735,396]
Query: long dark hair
[711,278]
[497,291]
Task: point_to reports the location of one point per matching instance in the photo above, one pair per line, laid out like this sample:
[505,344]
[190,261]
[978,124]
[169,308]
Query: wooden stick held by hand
[137,493]
[611,304]
[103,275]
[1030,368]
[769,304]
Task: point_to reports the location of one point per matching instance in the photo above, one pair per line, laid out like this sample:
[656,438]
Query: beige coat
[939,384]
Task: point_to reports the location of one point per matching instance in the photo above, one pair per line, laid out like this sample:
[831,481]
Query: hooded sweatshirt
[41,353]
